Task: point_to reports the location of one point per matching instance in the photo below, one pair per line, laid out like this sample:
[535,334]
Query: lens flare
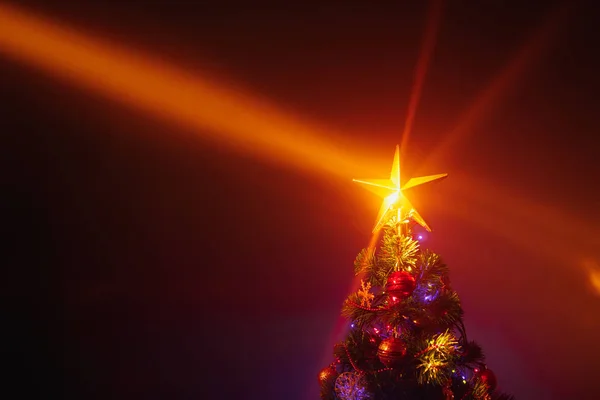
[593,270]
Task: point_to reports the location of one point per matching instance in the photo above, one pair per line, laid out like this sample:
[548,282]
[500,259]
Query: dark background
[144,262]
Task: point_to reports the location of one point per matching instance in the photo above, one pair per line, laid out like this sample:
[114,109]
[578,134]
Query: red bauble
[400,284]
[327,375]
[391,352]
[488,377]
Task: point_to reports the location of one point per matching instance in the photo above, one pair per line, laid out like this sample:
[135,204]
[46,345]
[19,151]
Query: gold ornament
[394,199]
[364,294]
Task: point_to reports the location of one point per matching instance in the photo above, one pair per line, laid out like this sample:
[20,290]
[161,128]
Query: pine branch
[480,390]
[436,360]
[430,269]
[365,262]
[400,249]
[402,314]
[473,354]
[327,389]
[446,307]
[359,315]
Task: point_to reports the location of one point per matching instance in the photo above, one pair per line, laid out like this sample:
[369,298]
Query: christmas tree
[407,339]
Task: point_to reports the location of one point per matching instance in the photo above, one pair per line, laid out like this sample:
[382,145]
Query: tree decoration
[436,360]
[400,284]
[487,377]
[480,391]
[352,386]
[407,338]
[392,351]
[327,374]
[394,199]
[364,294]
[447,390]
[327,377]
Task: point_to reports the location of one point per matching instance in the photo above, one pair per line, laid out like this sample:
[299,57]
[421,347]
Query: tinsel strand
[352,361]
[382,370]
[432,347]
[369,308]
[360,371]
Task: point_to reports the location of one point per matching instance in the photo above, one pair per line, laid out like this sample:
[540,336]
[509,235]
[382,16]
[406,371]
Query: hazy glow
[392,198]
[593,270]
[595,279]
[211,109]
[216,111]
[431,29]
[530,52]
[249,124]
[529,224]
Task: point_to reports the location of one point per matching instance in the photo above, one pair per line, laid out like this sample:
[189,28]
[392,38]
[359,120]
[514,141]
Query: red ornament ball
[391,352]
[488,377]
[400,284]
[327,375]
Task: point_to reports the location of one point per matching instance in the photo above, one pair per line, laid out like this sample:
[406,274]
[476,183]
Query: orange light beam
[209,108]
[530,52]
[429,41]
[538,219]
[542,230]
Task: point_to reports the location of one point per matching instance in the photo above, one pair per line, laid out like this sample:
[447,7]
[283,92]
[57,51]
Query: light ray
[527,55]
[542,229]
[429,40]
[213,110]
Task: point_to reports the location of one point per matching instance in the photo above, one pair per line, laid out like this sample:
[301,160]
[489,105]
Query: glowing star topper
[393,198]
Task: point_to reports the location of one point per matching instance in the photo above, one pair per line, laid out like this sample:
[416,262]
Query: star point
[393,198]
